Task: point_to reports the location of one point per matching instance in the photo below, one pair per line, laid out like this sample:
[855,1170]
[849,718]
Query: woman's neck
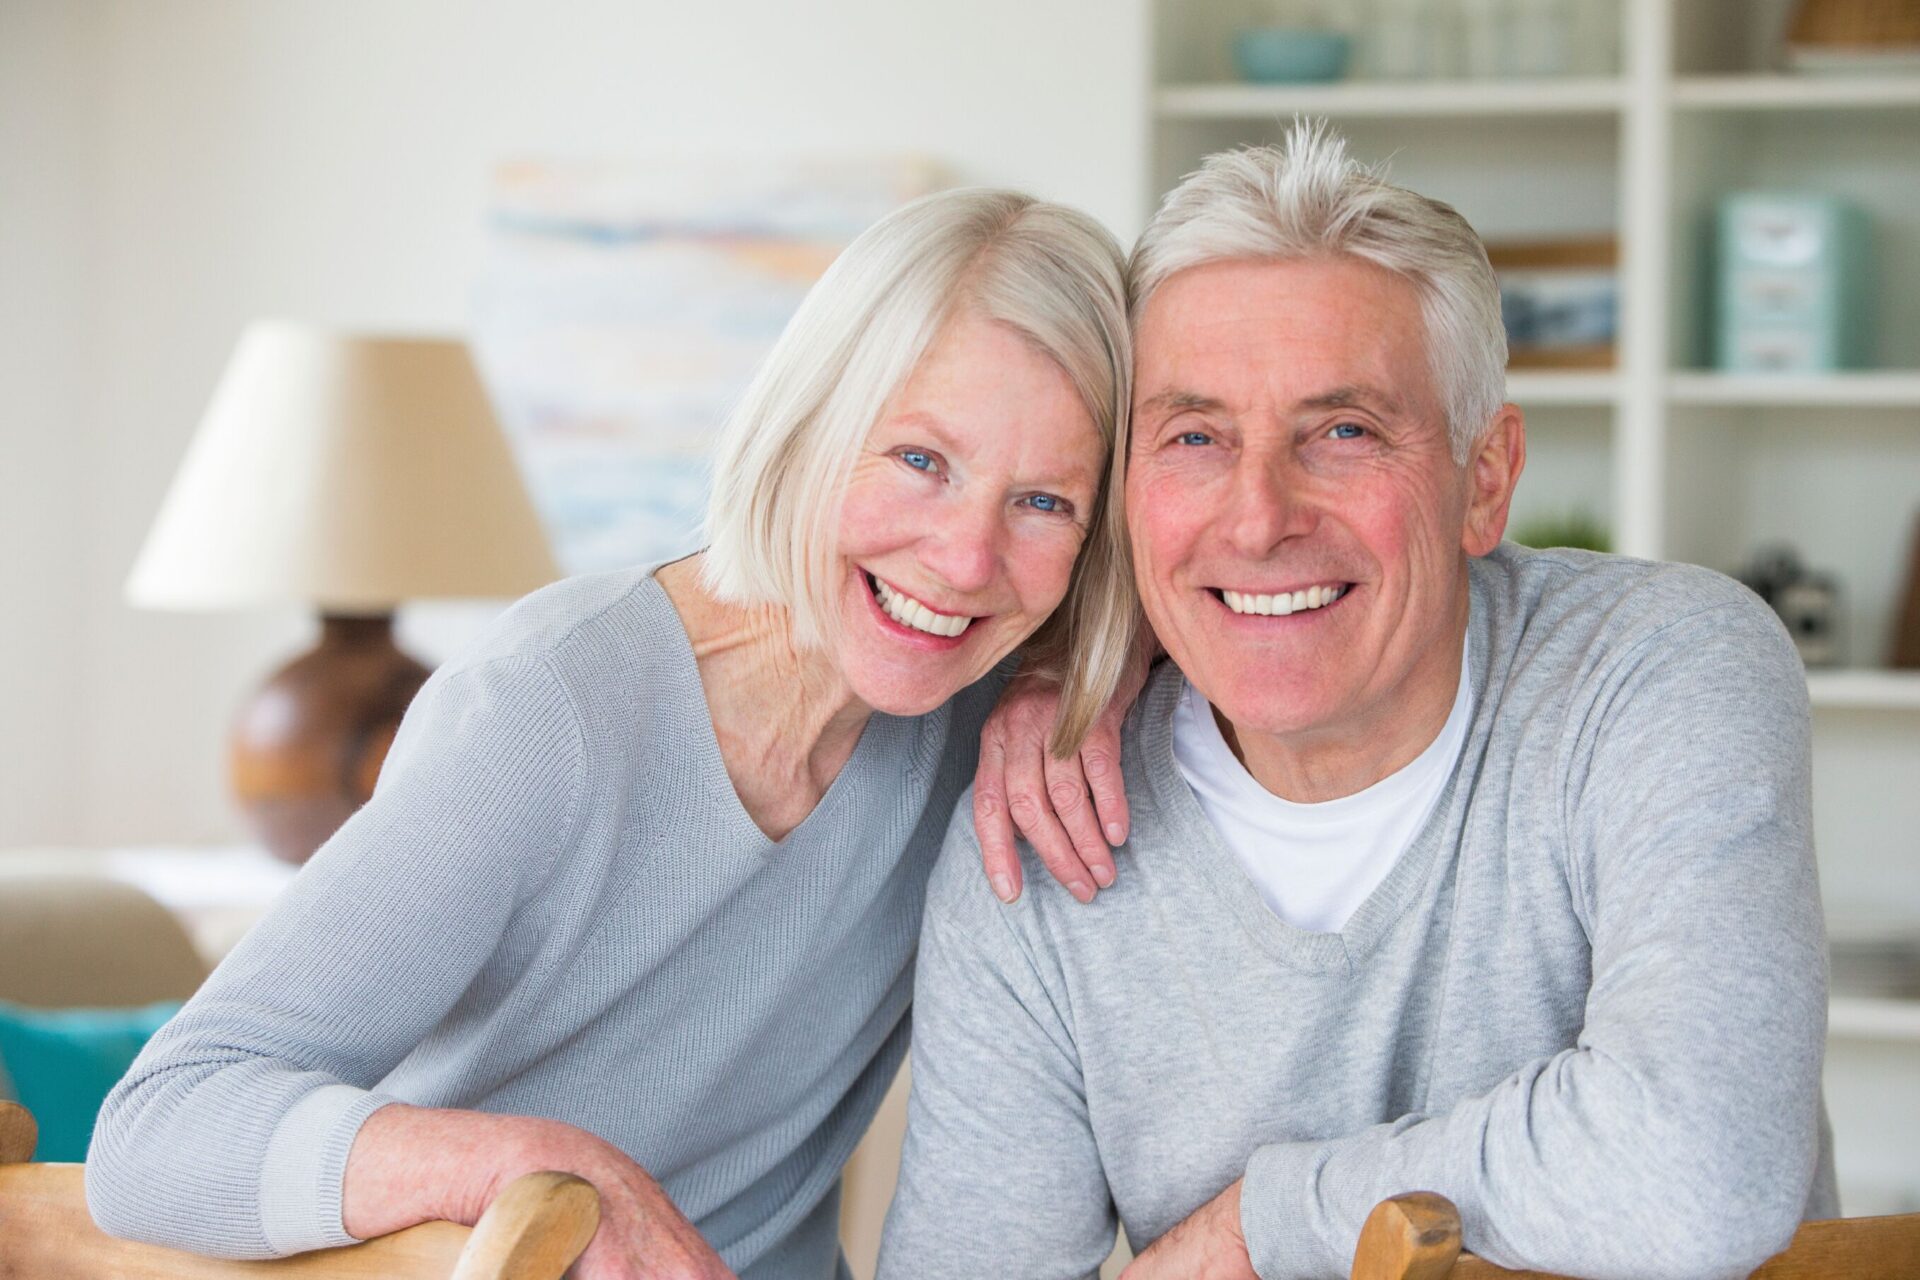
[785,717]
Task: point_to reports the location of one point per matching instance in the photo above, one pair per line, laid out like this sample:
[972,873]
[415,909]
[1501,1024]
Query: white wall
[46,81]
[328,159]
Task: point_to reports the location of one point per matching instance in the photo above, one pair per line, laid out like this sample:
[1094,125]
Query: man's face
[1288,439]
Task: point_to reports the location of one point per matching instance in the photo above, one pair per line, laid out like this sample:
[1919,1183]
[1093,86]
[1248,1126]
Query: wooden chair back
[1417,1237]
[533,1231]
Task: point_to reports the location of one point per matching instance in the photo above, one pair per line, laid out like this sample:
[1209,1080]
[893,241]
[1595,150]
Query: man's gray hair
[1307,198]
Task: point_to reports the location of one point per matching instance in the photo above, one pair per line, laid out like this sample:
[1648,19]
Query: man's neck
[1323,764]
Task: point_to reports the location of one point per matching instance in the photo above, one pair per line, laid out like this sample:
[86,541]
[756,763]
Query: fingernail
[1116,834]
[1103,876]
[1003,887]
[1081,890]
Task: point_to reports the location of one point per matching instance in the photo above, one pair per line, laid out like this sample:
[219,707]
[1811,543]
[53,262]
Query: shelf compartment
[1392,99]
[1871,388]
[1796,93]
[1864,690]
[1873,1018]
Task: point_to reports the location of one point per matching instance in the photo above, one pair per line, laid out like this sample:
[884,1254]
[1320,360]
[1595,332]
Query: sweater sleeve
[230,1133]
[1000,1175]
[1679,1135]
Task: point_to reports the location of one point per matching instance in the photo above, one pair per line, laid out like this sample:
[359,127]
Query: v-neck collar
[889,746]
[1210,855]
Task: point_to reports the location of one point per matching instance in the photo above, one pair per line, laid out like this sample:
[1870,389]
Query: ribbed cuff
[1279,1218]
[305,1164]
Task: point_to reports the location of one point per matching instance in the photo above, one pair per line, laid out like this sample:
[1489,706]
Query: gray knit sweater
[555,906]
[1587,1004]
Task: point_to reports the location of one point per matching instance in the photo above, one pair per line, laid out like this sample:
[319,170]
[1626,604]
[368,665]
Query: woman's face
[963,517]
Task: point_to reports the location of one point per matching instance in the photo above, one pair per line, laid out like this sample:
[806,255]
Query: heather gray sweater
[1588,1003]
[555,906]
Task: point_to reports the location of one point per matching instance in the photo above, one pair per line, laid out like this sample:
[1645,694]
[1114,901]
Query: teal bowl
[1291,55]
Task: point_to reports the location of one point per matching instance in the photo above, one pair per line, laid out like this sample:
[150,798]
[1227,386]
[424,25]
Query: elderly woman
[638,894]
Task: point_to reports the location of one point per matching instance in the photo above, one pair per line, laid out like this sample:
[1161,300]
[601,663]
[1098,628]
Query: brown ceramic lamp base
[308,745]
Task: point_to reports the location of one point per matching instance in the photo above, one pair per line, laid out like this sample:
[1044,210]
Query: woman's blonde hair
[1049,273]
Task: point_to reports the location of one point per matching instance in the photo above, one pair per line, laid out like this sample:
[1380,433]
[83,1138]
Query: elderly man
[1453,866]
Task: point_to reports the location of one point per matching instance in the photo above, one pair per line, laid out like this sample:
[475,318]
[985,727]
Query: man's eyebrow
[1180,400]
[1352,396]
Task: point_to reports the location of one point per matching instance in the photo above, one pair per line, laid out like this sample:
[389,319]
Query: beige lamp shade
[347,472]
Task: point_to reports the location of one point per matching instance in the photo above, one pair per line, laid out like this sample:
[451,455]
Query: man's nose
[1267,504]
[964,546]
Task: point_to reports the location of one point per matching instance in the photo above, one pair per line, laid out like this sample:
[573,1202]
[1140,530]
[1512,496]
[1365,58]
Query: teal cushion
[62,1063]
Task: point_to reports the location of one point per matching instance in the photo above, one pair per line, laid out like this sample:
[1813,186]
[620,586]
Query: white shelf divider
[1355,99]
[1864,690]
[1866,388]
[1873,1018]
[1795,93]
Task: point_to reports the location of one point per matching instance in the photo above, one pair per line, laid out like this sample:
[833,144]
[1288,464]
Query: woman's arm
[230,1133]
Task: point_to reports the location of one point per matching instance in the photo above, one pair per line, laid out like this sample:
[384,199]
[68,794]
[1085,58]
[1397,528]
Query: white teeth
[1283,604]
[908,612]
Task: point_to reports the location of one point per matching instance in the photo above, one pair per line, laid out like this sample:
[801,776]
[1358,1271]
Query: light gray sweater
[555,906]
[1588,1004]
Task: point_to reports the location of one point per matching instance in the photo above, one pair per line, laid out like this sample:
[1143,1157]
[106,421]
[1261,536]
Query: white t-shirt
[1314,863]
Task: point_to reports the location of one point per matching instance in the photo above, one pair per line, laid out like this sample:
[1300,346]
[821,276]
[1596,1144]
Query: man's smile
[1279,604]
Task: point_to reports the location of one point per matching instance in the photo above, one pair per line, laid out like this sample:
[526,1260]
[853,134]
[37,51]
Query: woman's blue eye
[1194,437]
[917,460]
[1349,431]
[1047,502]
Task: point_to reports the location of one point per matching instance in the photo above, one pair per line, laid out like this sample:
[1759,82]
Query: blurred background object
[1854,37]
[1560,300]
[1793,290]
[353,474]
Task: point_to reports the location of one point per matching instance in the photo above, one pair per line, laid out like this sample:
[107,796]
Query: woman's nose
[963,548]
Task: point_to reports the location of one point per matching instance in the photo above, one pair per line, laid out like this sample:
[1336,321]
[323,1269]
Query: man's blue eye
[1194,437]
[1349,431]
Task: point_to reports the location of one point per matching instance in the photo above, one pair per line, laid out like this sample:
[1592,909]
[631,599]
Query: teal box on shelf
[1792,293]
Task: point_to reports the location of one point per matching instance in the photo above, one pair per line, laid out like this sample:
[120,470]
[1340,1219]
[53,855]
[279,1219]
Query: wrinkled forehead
[1305,328]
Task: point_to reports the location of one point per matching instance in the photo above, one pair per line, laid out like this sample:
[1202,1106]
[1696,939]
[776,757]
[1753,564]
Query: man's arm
[1000,1175]
[1679,1136]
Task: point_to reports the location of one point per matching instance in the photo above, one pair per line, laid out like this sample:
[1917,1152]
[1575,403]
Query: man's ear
[1492,472]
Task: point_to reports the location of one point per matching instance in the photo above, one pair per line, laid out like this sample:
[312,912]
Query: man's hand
[418,1164]
[1207,1246]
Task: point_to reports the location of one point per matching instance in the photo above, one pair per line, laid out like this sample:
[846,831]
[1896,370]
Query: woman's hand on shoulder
[1073,811]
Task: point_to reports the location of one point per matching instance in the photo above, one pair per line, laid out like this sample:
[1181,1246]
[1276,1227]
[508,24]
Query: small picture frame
[1560,300]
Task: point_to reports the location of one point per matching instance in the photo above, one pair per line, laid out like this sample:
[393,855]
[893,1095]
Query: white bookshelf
[1459,99]
[1873,1018]
[1875,388]
[1766,92]
[1530,389]
[1681,461]
[1864,691]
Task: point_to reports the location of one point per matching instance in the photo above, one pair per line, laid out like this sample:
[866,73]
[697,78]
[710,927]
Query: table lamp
[349,473]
